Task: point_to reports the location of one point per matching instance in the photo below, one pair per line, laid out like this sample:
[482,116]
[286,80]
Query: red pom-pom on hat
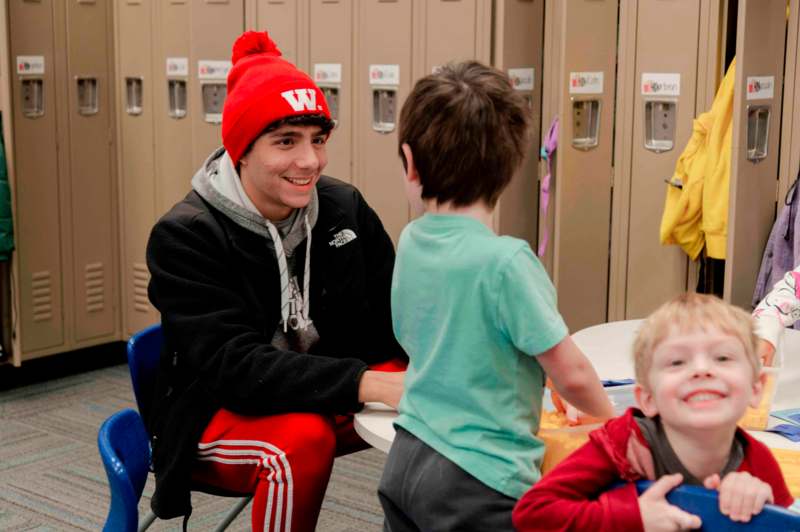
[254,42]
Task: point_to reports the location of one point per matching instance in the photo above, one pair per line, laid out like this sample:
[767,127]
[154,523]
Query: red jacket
[574,495]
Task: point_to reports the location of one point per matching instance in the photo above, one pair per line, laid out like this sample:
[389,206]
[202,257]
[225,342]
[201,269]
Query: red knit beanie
[262,88]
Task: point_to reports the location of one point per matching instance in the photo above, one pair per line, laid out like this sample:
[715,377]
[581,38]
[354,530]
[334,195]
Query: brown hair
[688,312]
[467,128]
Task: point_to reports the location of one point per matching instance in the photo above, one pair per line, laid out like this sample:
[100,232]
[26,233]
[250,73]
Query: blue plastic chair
[125,451]
[144,352]
[704,503]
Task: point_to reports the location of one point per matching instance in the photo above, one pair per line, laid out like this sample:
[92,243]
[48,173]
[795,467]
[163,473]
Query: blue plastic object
[144,354]
[144,351]
[704,503]
[125,451]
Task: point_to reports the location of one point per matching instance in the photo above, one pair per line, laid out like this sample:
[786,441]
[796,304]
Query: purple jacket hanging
[549,145]
[782,253]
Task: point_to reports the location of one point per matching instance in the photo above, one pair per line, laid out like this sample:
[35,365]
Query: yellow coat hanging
[696,208]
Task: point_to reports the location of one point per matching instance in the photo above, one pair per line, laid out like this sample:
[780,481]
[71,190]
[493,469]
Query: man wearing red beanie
[273,285]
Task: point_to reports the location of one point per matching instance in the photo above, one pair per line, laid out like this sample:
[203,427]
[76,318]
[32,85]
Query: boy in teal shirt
[476,313]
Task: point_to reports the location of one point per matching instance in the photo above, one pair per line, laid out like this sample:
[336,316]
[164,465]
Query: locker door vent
[94,278]
[42,292]
[141,276]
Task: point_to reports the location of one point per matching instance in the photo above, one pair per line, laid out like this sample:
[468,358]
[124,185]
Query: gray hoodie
[219,184]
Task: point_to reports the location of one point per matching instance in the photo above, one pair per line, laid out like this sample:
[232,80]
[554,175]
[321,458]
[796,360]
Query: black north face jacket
[217,287]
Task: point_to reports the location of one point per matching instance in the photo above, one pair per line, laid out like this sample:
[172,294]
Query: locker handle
[757,132]
[32,97]
[585,123]
[213,99]
[384,106]
[87,96]
[133,93]
[332,98]
[659,125]
[176,93]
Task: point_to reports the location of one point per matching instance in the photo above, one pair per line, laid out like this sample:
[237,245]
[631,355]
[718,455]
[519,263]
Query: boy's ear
[758,389]
[645,400]
[411,169]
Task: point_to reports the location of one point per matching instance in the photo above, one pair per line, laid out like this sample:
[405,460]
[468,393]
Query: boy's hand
[578,417]
[741,495]
[766,351]
[660,516]
[573,415]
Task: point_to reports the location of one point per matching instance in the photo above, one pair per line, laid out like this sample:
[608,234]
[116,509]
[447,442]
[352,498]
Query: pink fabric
[548,149]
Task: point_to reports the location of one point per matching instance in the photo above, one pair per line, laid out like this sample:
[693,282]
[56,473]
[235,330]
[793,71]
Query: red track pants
[283,460]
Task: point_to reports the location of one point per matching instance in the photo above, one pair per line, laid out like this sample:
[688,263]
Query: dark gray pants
[422,491]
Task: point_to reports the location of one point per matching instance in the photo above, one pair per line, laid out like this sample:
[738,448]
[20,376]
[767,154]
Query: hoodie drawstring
[284,276]
[307,276]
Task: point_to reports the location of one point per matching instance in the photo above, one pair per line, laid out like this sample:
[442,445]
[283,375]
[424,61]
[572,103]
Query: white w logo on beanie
[301,99]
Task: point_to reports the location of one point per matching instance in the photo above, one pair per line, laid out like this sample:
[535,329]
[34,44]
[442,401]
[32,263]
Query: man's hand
[381,386]
[660,516]
[741,495]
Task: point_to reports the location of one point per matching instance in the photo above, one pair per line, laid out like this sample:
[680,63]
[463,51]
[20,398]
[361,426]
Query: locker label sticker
[522,79]
[213,70]
[30,64]
[328,72]
[585,82]
[384,74]
[760,87]
[661,84]
[178,66]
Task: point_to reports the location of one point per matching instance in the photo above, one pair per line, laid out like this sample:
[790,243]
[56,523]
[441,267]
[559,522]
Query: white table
[374,425]
[608,346]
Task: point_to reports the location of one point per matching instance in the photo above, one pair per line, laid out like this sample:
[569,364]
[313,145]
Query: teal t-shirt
[471,309]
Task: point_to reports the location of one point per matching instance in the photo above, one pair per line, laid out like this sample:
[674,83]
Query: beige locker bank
[581,42]
[422,35]
[760,45]
[65,199]
[667,75]
[173,57]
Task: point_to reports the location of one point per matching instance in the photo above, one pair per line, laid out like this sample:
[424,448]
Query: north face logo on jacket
[342,237]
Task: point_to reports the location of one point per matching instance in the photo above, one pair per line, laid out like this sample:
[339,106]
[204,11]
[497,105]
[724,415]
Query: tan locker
[518,39]
[760,47]
[282,19]
[331,65]
[383,73]
[650,137]
[37,216]
[171,98]
[582,196]
[135,89]
[790,124]
[215,26]
[449,31]
[92,185]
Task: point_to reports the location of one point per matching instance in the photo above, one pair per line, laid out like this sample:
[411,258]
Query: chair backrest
[125,450]
[144,352]
[704,503]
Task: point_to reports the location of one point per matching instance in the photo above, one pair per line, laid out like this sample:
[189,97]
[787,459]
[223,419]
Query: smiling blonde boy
[697,371]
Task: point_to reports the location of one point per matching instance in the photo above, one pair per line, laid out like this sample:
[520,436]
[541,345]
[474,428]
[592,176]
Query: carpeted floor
[51,477]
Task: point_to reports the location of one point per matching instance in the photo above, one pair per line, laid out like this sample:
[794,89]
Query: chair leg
[240,505]
[146,521]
